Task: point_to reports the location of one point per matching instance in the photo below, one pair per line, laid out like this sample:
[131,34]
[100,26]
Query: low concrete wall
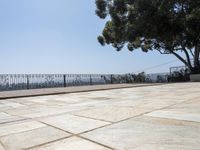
[195,77]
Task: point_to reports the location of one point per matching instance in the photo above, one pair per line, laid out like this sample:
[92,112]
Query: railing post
[27,77]
[64,79]
[111,79]
[90,80]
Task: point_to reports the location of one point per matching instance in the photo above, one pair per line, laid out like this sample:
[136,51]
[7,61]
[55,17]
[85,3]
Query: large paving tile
[165,147]
[1,147]
[73,124]
[191,106]
[4,115]
[188,111]
[155,103]
[19,100]
[110,113]
[48,101]
[175,115]
[32,138]
[4,118]
[3,108]
[46,111]
[157,133]
[12,104]
[73,143]
[19,127]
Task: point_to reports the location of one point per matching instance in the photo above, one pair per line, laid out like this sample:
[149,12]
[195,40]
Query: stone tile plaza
[100,75]
[157,117]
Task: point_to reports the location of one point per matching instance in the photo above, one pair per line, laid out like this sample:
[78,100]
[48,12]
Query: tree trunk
[187,57]
[196,67]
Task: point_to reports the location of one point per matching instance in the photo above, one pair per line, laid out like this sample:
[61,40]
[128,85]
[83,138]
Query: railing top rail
[61,74]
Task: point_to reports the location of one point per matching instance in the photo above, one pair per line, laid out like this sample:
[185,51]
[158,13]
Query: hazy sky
[59,36]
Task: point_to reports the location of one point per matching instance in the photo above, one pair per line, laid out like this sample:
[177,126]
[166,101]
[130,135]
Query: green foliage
[101,8]
[179,76]
[164,25]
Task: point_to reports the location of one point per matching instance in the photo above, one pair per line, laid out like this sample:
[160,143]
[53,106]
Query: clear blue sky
[59,36]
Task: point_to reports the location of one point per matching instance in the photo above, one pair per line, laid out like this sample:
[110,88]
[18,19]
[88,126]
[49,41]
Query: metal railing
[157,77]
[177,69]
[34,81]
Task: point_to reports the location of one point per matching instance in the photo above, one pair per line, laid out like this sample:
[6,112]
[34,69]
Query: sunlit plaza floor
[162,117]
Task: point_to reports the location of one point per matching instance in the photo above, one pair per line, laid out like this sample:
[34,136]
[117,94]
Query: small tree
[168,26]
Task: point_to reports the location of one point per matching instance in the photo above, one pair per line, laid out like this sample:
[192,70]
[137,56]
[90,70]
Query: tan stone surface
[19,127]
[188,111]
[176,115]
[1,147]
[4,118]
[73,89]
[73,143]
[164,117]
[143,131]
[73,124]
[32,138]
[110,113]
[165,147]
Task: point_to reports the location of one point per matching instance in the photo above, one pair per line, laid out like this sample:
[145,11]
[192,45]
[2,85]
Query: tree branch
[187,57]
[191,53]
[186,54]
[181,59]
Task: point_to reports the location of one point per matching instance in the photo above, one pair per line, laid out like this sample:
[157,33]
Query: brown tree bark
[196,56]
[196,68]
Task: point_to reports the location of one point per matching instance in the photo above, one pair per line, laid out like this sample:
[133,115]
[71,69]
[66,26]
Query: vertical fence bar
[64,79]
[27,77]
[90,79]
[111,79]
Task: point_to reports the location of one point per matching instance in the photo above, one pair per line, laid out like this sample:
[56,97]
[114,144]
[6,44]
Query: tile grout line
[59,114]
[36,118]
[189,121]
[91,118]
[22,132]
[142,114]
[71,135]
[70,113]
[74,134]
[153,110]
[57,128]
[96,142]
[66,137]
[79,135]
[14,121]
